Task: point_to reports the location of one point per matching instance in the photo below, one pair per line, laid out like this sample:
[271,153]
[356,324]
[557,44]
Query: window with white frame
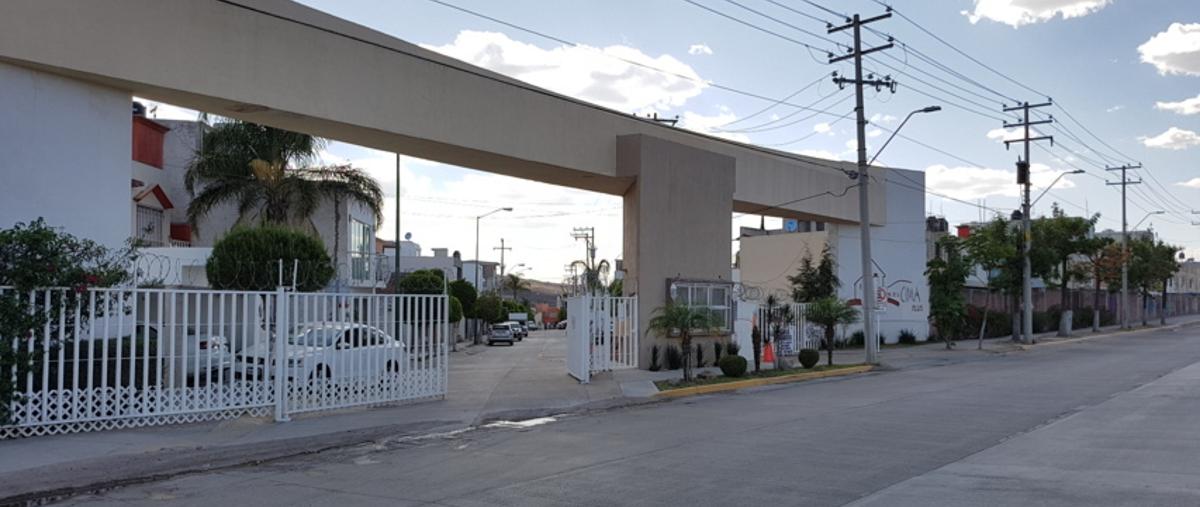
[714,296]
[362,235]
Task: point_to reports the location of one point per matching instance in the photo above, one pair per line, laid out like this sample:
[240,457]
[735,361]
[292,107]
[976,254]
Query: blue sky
[1083,53]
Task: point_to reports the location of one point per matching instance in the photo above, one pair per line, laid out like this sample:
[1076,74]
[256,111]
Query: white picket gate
[114,358]
[602,335]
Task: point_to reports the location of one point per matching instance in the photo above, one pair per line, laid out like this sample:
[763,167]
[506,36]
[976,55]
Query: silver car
[501,333]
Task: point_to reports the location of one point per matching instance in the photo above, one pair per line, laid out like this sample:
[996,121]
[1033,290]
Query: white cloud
[1192,183]
[980,182]
[882,118]
[699,49]
[582,72]
[825,154]
[1114,109]
[874,133]
[1175,51]
[1185,106]
[1173,139]
[822,128]
[709,124]
[1022,12]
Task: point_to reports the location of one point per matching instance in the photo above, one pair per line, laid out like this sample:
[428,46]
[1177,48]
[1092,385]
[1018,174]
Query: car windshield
[315,337]
[500,327]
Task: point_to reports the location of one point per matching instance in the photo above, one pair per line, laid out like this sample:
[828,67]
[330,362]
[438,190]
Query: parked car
[335,351]
[562,324]
[519,330]
[194,354]
[501,333]
[533,326]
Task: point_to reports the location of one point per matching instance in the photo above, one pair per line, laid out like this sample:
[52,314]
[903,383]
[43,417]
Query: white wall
[898,250]
[64,154]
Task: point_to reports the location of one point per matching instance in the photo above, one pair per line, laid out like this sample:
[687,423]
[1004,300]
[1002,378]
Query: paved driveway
[1106,422]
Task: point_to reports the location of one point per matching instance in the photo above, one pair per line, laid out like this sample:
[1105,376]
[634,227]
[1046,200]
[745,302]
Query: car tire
[490,343]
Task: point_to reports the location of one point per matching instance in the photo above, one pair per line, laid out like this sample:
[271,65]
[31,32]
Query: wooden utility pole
[1023,169]
[1125,182]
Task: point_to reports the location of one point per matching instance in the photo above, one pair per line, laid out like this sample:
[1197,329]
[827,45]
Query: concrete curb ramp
[743,384]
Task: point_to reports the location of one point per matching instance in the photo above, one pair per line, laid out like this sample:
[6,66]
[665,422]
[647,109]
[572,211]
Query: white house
[898,252]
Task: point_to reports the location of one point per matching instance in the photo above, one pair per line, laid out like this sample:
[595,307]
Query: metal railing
[602,335]
[112,358]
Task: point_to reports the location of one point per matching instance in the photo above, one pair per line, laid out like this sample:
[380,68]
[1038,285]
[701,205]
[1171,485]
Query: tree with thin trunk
[830,312]
[674,319]
[947,273]
[1104,266]
[267,173]
[515,284]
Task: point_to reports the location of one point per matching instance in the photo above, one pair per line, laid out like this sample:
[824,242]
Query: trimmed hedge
[733,366]
[249,259]
[809,357]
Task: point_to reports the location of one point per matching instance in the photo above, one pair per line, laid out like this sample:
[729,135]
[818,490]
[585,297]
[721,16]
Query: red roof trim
[159,194]
[151,123]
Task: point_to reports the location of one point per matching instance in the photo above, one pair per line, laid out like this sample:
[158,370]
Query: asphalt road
[1113,421]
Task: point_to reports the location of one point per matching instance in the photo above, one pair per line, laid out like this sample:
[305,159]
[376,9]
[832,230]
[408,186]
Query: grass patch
[667,385]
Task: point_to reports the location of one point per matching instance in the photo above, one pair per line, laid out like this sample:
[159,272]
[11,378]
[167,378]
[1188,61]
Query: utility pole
[588,235]
[871,345]
[1125,182]
[502,249]
[1023,179]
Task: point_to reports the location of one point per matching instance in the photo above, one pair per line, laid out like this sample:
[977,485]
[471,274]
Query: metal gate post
[279,358]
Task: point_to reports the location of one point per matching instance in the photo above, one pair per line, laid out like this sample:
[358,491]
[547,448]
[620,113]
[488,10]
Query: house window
[149,226]
[712,296]
[362,237]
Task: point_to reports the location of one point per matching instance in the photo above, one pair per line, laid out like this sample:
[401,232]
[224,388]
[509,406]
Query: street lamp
[864,222]
[1052,183]
[477,219]
[930,109]
[1148,215]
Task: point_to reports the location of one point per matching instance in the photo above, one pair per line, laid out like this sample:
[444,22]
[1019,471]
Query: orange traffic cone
[768,353]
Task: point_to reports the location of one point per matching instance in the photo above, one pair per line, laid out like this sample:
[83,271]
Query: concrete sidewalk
[524,381]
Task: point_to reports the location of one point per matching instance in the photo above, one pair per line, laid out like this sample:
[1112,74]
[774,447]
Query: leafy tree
[1066,238]
[681,320]
[1151,266]
[997,248]
[616,288]
[456,310]
[253,167]
[515,284]
[830,312]
[815,281]
[249,258]
[490,308]
[35,256]
[562,314]
[466,295]
[1103,265]
[947,273]
[421,281]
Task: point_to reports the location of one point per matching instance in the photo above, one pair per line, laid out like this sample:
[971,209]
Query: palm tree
[265,171]
[595,274]
[829,312]
[680,320]
[515,284]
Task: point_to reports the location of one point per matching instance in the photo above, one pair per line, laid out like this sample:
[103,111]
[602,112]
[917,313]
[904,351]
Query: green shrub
[248,258]
[717,347]
[654,366]
[809,357]
[466,294]
[907,337]
[699,355]
[733,366]
[856,340]
[489,308]
[673,358]
[421,281]
[732,348]
[456,310]
[998,323]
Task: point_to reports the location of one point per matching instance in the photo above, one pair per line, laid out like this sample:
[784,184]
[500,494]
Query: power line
[749,24]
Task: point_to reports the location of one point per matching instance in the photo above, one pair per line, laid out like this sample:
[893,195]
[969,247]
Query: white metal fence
[602,335]
[113,358]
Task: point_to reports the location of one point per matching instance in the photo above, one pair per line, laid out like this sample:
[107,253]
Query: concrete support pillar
[677,220]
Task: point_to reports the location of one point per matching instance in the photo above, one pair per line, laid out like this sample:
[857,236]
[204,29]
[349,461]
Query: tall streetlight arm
[1055,182]
[1148,215]
[930,109]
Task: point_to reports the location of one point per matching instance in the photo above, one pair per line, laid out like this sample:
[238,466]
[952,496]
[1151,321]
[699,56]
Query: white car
[335,351]
[193,354]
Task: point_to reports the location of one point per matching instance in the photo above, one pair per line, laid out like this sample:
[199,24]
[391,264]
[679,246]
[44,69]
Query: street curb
[743,384]
[1171,327]
[54,482]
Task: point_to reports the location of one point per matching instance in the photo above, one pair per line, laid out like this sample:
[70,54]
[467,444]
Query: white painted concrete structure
[64,153]
[253,60]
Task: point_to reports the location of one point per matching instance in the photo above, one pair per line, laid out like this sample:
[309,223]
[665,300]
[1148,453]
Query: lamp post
[871,345]
[477,219]
[929,109]
[1052,183]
